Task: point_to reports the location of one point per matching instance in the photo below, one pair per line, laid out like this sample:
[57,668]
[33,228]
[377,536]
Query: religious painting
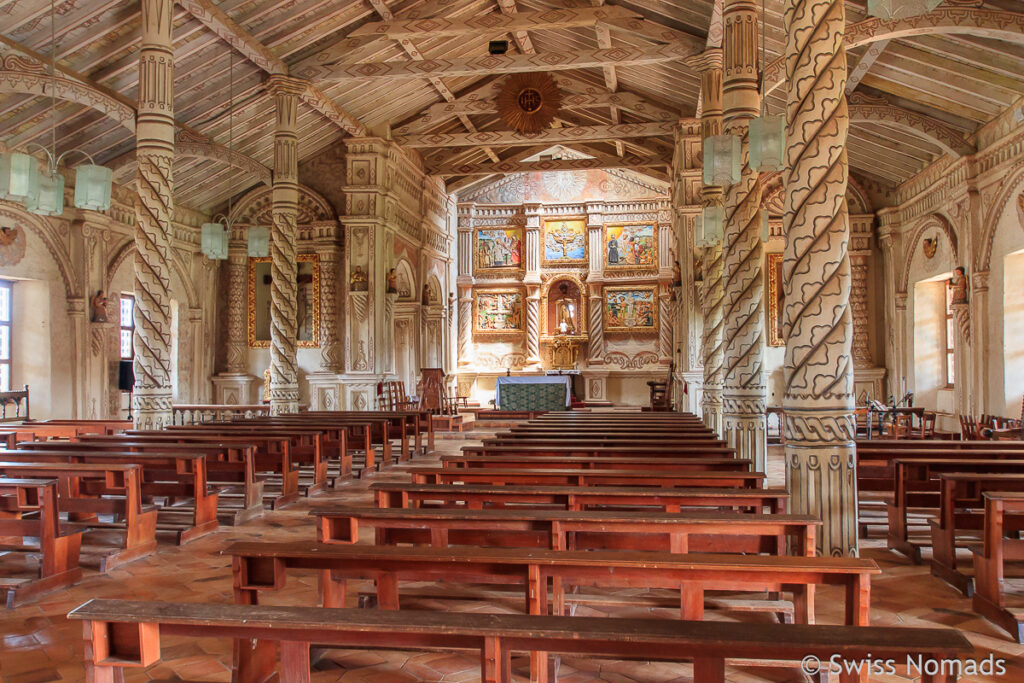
[631,308]
[498,312]
[307,295]
[776,299]
[565,241]
[631,245]
[499,249]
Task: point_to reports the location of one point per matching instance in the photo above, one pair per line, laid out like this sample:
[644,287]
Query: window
[6,308]
[950,338]
[127,326]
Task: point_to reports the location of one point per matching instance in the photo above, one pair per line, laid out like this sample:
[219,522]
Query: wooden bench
[172,476]
[648,450]
[477,497]
[875,469]
[123,635]
[39,533]
[261,567]
[1003,549]
[230,468]
[86,426]
[361,432]
[916,486]
[961,511]
[85,490]
[718,464]
[587,477]
[714,532]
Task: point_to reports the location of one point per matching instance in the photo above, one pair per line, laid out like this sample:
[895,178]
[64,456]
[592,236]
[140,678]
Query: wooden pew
[58,565]
[575,439]
[962,510]
[123,636]
[229,466]
[306,445]
[173,476]
[1004,518]
[272,454]
[87,426]
[261,567]
[85,490]
[587,477]
[404,423]
[718,464]
[916,486]
[645,450]
[875,469]
[477,497]
[714,532]
[364,431]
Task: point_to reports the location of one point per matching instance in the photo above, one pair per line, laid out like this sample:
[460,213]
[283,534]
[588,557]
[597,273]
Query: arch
[934,220]
[545,290]
[255,207]
[993,214]
[50,239]
[406,280]
[434,290]
[26,76]
[128,249]
[946,138]
[987,23]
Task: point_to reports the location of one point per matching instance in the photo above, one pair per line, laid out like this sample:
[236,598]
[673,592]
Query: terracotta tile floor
[39,645]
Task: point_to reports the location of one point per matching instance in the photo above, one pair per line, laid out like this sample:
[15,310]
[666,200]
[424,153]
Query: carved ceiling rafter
[551,135]
[878,110]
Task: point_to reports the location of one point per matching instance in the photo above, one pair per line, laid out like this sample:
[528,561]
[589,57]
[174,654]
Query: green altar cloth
[532,397]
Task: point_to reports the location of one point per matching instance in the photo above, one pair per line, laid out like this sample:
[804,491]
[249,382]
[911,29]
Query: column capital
[708,60]
[279,84]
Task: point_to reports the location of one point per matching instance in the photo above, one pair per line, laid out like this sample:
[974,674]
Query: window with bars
[950,339]
[6,319]
[127,326]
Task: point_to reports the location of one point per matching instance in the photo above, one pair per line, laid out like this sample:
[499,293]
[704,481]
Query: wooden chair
[392,396]
[969,428]
[661,392]
[14,399]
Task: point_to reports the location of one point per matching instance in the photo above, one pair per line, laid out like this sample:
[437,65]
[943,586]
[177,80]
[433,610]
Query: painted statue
[358,282]
[958,286]
[98,307]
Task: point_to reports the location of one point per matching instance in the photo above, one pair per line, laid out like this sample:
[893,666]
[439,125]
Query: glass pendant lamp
[19,177]
[258,238]
[767,133]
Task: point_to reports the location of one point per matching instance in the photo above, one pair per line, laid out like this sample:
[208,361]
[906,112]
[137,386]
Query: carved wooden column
[978,332]
[595,280]
[284,373]
[820,427]
[712,293]
[743,386]
[233,385]
[869,380]
[888,239]
[330,344]
[532,282]
[154,153]
[464,284]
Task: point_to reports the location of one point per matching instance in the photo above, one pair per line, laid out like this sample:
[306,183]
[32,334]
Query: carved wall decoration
[307,330]
[12,245]
[930,245]
[256,208]
[498,313]
[635,362]
[498,250]
[776,299]
[564,186]
[528,102]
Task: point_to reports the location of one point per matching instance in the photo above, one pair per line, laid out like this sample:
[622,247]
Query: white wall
[929,342]
[1013,336]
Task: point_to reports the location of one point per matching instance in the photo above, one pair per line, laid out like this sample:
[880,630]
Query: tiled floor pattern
[39,645]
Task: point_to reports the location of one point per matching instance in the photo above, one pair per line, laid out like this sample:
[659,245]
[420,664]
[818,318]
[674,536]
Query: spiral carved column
[595,350]
[237,346]
[533,324]
[284,374]
[820,428]
[331,351]
[743,387]
[154,136]
[713,293]
[465,326]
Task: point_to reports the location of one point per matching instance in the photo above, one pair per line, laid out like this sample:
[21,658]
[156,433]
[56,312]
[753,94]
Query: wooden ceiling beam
[611,79]
[493,24]
[522,37]
[872,53]
[507,64]
[947,139]
[547,136]
[604,161]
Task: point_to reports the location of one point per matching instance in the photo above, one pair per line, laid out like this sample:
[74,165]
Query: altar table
[539,392]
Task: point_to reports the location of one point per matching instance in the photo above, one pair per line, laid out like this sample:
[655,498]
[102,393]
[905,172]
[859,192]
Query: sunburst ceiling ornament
[528,102]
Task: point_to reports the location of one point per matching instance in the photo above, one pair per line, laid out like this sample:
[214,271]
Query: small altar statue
[566,312]
[958,286]
[358,282]
[425,297]
[98,307]
[392,286]
[677,275]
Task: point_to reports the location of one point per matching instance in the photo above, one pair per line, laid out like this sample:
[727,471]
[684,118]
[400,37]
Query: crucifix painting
[565,241]
[307,301]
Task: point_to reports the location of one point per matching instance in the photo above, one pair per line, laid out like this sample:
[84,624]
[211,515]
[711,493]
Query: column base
[234,388]
[284,398]
[326,391]
[711,407]
[151,407]
[822,481]
[595,388]
[748,434]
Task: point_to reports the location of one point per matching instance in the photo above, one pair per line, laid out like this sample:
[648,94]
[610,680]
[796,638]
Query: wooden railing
[13,400]
[198,414]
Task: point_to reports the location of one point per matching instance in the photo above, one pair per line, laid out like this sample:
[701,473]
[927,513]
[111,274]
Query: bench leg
[294,662]
[803,603]
[495,662]
[691,603]
[332,591]
[255,661]
[387,591]
[95,673]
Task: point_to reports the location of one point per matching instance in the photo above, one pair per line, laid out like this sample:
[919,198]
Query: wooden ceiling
[955,82]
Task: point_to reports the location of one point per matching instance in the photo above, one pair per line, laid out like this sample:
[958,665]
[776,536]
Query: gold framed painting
[564,241]
[631,308]
[497,250]
[499,312]
[631,245]
[776,299]
[307,300]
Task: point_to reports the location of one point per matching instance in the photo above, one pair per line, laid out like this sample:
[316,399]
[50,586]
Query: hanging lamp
[767,141]
[216,235]
[45,194]
[710,226]
[722,160]
[258,241]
